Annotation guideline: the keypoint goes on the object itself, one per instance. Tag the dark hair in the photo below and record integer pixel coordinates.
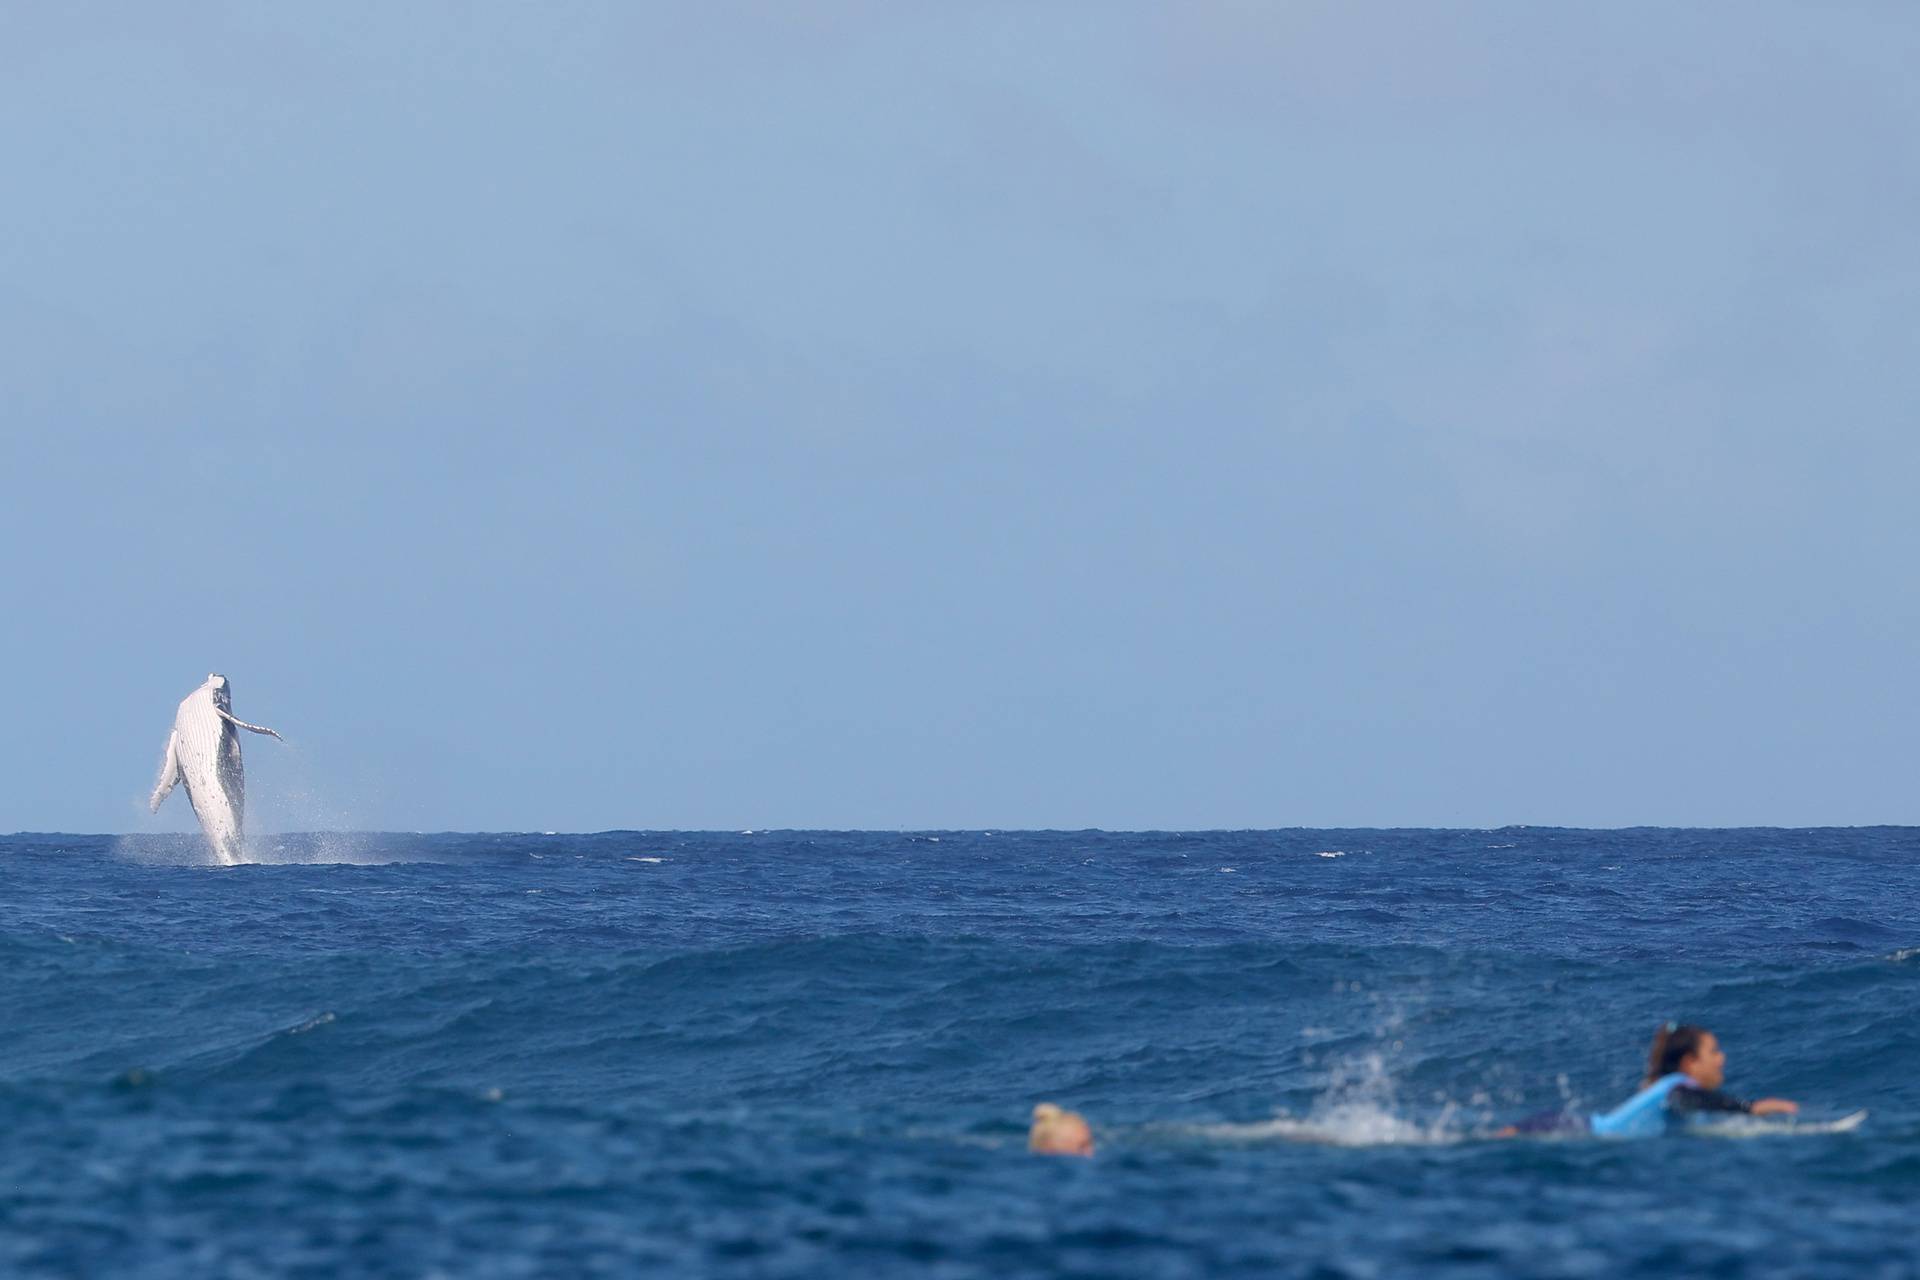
(1672, 1042)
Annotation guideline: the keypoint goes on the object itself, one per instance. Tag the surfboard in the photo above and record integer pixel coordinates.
(1845, 1124)
(1777, 1126)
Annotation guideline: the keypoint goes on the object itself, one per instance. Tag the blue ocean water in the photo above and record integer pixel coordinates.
(813, 1053)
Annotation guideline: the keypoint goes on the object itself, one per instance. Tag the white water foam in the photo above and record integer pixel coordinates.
(168, 850)
(1357, 1124)
(1359, 1108)
(288, 848)
(318, 1020)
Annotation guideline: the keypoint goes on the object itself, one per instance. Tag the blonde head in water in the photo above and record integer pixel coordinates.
(1058, 1132)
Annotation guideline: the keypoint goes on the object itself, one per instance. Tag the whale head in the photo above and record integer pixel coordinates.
(222, 691)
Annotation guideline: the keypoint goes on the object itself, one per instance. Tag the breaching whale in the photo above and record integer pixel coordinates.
(203, 751)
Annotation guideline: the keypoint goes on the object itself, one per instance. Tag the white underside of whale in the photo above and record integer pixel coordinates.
(203, 754)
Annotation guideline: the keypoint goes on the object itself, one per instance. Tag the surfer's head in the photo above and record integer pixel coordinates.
(1059, 1132)
(1693, 1051)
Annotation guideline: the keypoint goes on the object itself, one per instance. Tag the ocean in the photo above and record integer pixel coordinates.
(810, 1053)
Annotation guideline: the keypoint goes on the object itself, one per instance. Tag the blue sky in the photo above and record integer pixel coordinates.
(1122, 415)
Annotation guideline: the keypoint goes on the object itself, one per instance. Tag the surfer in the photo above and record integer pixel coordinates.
(1059, 1132)
(1685, 1068)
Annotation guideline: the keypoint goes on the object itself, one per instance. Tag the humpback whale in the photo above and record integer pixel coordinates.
(203, 751)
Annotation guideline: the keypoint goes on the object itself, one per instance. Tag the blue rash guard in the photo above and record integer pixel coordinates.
(1652, 1111)
(1649, 1113)
(1644, 1115)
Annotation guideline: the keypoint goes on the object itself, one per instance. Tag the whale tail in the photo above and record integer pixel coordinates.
(169, 774)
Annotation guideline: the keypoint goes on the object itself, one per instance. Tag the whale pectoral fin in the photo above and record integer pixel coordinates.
(238, 723)
(169, 774)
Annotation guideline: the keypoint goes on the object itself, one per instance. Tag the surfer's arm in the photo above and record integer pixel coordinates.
(169, 774)
(1688, 1098)
(238, 723)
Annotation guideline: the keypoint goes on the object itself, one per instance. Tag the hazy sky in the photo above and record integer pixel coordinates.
(572, 416)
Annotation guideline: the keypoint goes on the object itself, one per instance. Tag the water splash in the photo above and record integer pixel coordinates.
(1357, 1124)
(312, 848)
(1360, 1107)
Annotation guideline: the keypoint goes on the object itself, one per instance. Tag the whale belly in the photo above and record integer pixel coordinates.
(209, 754)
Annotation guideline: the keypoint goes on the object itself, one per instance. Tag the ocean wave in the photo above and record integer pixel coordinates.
(817, 1052)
